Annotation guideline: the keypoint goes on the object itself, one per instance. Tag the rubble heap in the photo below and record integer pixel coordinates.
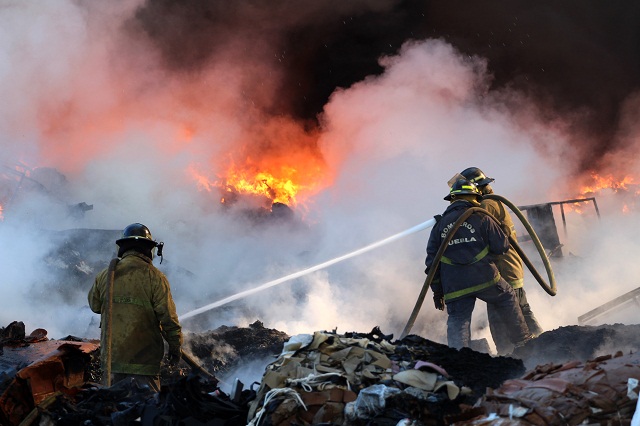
(187, 400)
(35, 370)
(351, 379)
(582, 343)
(603, 391)
(229, 348)
(354, 378)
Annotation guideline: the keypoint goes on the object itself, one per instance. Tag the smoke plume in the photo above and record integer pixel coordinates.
(144, 110)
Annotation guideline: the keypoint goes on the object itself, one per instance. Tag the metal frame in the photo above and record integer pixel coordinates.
(561, 204)
(633, 295)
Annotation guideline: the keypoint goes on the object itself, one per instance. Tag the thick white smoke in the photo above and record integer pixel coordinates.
(126, 135)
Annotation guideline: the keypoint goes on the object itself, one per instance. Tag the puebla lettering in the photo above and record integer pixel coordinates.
(462, 240)
(447, 228)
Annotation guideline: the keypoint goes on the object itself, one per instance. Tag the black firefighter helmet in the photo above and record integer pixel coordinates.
(463, 187)
(475, 175)
(138, 235)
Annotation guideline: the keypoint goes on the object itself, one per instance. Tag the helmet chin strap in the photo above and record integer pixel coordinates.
(160, 246)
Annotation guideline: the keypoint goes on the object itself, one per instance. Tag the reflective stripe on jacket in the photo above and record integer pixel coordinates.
(143, 315)
(509, 264)
(466, 267)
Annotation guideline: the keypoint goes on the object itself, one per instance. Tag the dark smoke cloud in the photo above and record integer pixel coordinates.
(316, 46)
(578, 60)
(575, 58)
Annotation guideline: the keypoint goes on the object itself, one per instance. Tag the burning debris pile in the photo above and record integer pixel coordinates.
(328, 378)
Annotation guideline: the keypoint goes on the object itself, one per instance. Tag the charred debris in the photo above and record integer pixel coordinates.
(330, 378)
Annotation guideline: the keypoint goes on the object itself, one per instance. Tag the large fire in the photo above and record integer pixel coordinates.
(279, 162)
(287, 184)
(276, 180)
(278, 189)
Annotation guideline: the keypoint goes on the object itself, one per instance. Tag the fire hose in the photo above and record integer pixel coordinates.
(108, 326)
(549, 288)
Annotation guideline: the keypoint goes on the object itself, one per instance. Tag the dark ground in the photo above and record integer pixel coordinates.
(476, 370)
(226, 349)
(479, 370)
(580, 343)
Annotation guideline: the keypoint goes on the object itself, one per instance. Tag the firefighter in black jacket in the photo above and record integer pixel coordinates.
(466, 271)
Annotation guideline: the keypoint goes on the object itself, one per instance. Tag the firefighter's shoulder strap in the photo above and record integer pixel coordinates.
(111, 274)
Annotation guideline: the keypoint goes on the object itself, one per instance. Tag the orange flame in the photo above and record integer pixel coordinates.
(279, 189)
(599, 183)
(278, 182)
(607, 182)
(279, 163)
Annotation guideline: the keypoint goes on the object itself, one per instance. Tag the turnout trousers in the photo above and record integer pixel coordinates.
(502, 299)
(498, 328)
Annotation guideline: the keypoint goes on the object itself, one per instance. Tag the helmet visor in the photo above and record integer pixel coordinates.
(455, 178)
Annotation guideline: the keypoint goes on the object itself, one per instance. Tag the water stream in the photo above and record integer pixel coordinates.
(413, 230)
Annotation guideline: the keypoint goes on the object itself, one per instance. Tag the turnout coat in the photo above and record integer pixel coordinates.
(143, 315)
(509, 265)
(466, 266)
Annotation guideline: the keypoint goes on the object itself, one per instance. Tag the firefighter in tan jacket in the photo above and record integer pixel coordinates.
(143, 312)
(509, 265)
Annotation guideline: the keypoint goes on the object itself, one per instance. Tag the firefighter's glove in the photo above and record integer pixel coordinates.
(175, 355)
(438, 302)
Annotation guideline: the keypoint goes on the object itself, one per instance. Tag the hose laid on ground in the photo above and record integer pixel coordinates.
(550, 289)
